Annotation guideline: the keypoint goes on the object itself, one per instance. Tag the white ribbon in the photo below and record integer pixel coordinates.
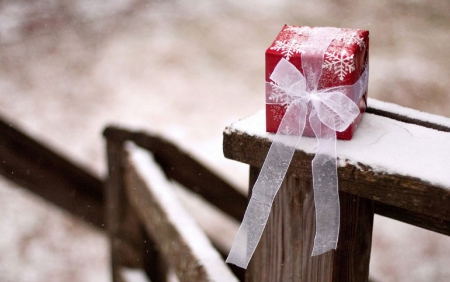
(330, 110)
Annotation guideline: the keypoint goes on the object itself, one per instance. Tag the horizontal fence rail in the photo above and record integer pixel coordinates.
(184, 169)
(402, 197)
(36, 167)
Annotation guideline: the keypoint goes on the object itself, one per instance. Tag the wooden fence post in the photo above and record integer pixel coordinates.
(130, 246)
(284, 252)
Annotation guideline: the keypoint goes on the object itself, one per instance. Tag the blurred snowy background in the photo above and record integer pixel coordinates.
(187, 69)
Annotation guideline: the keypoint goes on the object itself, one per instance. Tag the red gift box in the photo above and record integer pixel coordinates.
(344, 62)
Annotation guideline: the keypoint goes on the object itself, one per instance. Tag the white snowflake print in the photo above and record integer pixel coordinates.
(288, 47)
(346, 39)
(286, 130)
(354, 38)
(341, 63)
(278, 95)
(277, 115)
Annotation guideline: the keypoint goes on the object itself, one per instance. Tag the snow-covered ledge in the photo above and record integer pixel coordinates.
(408, 115)
(390, 159)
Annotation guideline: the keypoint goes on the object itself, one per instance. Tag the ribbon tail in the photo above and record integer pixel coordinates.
(267, 185)
(325, 183)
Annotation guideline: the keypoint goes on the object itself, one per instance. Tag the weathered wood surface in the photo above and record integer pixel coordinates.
(179, 239)
(412, 197)
(48, 174)
(181, 167)
(352, 256)
(127, 239)
(284, 252)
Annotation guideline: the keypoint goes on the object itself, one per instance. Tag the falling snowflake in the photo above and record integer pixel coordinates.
(288, 47)
(341, 63)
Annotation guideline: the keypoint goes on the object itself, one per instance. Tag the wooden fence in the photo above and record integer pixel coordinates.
(150, 230)
(140, 224)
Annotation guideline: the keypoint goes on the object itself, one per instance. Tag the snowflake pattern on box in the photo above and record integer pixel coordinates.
(277, 115)
(355, 38)
(278, 95)
(288, 47)
(293, 41)
(344, 39)
(341, 63)
(337, 58)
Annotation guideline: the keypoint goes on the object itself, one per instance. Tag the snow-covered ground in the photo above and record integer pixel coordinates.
(187, 69)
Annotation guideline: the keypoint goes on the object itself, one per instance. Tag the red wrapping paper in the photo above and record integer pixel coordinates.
(344, 61)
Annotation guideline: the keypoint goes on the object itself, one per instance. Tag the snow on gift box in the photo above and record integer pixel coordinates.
(316, 85)
(343, 63)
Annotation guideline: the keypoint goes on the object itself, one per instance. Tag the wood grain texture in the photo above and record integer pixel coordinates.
(352, 256)
(284, 252)
(123, 226)
(278, 256)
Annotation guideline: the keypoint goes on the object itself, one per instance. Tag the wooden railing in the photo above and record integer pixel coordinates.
(139, 208)
(139, 213)
(128, 214)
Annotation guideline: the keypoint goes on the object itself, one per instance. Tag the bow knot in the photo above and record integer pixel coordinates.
(313, 96)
